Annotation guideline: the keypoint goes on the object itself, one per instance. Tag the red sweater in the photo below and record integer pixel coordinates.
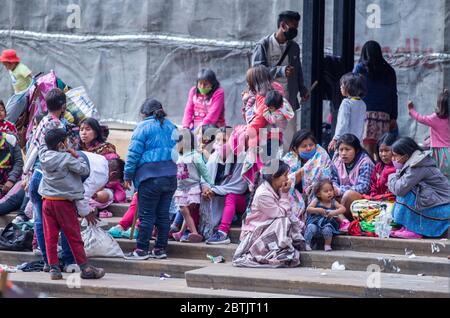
(379, 180)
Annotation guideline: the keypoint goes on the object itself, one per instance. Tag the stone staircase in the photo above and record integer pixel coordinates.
(407, 268)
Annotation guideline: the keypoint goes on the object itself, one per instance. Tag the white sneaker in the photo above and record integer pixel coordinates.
(37, 252)
(72, 268)
(18, 219)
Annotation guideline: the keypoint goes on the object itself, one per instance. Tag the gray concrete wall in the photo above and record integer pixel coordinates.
(127, 50)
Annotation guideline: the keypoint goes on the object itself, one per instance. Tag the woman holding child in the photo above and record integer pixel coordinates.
(308, 160)
(93, 140)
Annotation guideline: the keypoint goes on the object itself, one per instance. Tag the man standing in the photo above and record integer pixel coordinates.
(282, 55)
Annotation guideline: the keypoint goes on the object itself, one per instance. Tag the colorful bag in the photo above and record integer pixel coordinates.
(81, 99)
(365, 210)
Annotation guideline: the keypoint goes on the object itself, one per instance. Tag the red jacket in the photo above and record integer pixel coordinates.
(379, 180)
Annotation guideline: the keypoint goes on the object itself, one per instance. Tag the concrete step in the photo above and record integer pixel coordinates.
(125, 286)
(316, 282)
(119, 209)
(174, 267)
(423, 247)
(6, 219)
(187, 250)
(388, 263)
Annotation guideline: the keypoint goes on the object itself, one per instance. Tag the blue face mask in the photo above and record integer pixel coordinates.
(308, 155)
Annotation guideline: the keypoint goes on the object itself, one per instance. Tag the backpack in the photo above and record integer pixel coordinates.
(18, 238)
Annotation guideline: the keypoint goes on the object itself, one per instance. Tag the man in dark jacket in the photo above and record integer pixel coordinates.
(281, 55)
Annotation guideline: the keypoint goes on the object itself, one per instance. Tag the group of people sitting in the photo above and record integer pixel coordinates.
(290, 201)
(193, 182)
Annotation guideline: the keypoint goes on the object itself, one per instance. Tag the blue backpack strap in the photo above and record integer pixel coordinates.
(83, 155)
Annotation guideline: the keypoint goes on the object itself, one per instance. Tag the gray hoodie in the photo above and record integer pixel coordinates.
(62, 175)
(421, 176)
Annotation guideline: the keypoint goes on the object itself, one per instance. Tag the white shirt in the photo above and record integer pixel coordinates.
(351, 117)
(276, 51)
(98, 178)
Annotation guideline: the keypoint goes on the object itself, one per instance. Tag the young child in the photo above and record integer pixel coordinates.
(6, 126)
(378, 184)
(191, 168)
(352, 112)
(21, 75)
(61, 186)
(113, 190)
(322, 214)
(440, 130)
(279, 112)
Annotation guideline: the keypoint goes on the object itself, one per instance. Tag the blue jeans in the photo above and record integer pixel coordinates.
(36, 199)
(154, 197)
(14, 203)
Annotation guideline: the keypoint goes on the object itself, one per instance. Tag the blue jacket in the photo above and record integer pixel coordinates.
(150, 151)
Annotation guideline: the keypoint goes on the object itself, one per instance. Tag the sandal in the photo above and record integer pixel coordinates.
(105, 214)
(91, 272)
(194, 238)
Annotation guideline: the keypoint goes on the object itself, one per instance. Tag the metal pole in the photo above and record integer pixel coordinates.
(313, 54)
(344, 32)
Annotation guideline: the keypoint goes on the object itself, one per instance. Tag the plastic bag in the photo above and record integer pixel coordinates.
(81, 100)
(16, 105)
(99, 243)
(383, 222)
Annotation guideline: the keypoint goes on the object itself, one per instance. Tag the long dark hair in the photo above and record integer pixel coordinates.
(372, 59)
(269, 177)
(152, 107)
(405, 146)
(355, 143)
(299, 137)
(95, 126)
(387, 139)
(443, 105)
(207, 74)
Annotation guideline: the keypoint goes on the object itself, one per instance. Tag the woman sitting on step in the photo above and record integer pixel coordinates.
(423, 192)
(371, 206)
(272, 231)
(93, 140)
(351, 171)
(309, 161)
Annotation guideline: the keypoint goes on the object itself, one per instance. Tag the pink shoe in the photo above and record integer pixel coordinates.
(395, 232)
(406, 234)
(344, 226)
(177, 236)
(105, 214)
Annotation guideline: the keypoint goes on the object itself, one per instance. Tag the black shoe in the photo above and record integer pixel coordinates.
(159, 253)
(91, 272)
(55, 273)
(137, 255)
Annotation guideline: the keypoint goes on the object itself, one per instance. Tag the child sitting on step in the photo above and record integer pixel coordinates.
(322, 214)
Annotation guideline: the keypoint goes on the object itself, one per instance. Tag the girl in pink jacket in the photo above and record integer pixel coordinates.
(440, 130)
(206, 102)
